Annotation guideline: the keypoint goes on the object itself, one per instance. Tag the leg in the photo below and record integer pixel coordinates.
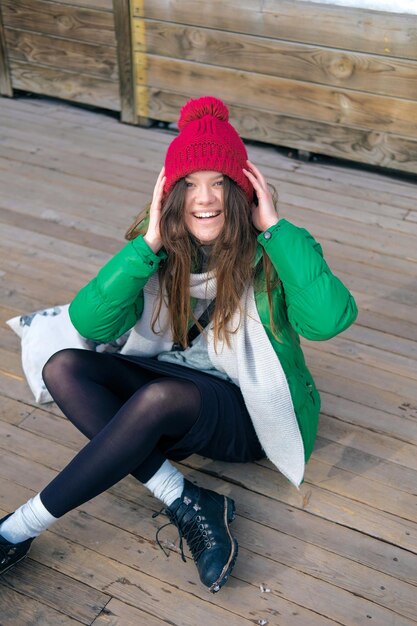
(93, 393)
(90, 388)
(163, 408)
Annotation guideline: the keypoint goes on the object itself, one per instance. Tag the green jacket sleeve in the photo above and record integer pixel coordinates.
(112, 302)
(319, 306)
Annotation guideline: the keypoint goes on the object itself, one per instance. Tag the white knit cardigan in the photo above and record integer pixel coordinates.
(250, 362)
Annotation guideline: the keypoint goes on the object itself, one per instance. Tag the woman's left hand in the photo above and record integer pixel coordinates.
(264, 215)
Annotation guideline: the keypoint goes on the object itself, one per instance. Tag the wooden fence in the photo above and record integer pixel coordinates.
(329, 79)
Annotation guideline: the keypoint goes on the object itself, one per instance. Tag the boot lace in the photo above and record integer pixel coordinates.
(193, 531)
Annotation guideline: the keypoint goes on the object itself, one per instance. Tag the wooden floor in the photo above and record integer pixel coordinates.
(339, 551)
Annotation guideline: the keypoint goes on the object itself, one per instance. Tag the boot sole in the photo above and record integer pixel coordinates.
(3, 571)
(229, 516)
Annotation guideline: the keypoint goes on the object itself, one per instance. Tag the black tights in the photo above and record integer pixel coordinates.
(130, 415)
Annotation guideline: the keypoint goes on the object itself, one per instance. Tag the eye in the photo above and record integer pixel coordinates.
(218, 183)
(188, 183)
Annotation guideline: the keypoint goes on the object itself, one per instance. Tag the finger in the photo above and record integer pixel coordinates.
(160, 176)
(255, 182)
(159, 185)
(257, 173)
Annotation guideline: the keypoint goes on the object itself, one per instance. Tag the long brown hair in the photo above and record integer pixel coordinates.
(231, 258)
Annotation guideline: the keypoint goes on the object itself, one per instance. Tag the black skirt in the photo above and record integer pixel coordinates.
(223, 430)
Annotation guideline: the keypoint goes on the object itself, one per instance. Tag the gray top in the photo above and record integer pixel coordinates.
(196, 356)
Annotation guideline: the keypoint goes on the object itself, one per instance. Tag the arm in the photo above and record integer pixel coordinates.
(112, 302)
(319, 305)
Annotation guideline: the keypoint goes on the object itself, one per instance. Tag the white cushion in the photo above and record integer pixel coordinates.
(42, 334)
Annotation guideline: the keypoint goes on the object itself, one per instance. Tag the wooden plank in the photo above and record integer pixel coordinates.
(383, 411)
(251, 564)
(331, 204)
(58, 429)
(294, 521)
(355, 462)
(358, 371)
(40, 583)
(359, 179)
(344, 457)
(13, 411)
(384, 324)
(365, 267)
(130, 585)
(61, 233)
(103, 5)
(362, 30)
(116, 174)
(275, 57)
(292, 98)
(400, 306)
(397, 246)
(5, 79)
(29, 611)
(388, 525)
(348, 232)
(60, 20)
(377, 358)
(90, 221)
(68, 85)
(89, 260)
(316, 500)
(334, 139)
(121, 175)
(92, 60)
(122, 25)
(340, 480)
(117, 613)
(382, 340)
(135, 588)
(361, 438)
(386, 190)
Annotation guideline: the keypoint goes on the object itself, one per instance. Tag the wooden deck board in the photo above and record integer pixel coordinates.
(339, 551)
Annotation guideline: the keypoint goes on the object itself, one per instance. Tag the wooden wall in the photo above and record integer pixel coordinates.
(64, 48)
(5, 79)
(328, 79)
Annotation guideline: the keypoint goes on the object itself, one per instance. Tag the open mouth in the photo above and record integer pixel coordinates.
(206, 215)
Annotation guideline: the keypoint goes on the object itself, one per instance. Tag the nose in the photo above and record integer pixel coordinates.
(205, 194)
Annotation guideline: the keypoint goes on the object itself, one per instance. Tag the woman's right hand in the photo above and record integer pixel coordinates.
(153, 234)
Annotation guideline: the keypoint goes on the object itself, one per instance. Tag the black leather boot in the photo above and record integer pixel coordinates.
(202, 518)
(12, 553)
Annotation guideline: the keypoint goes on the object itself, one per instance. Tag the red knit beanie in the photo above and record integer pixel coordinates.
(206, 142)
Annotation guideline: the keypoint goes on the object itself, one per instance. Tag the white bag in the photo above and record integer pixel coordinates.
(42, 334)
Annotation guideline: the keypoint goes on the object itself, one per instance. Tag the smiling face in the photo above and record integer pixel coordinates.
(203, 207)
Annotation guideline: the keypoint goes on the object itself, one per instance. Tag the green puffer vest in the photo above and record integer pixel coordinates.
(309, 301)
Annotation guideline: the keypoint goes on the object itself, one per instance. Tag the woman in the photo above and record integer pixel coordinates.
(216, 289)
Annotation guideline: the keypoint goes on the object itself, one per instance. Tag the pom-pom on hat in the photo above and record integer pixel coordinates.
(206, 142)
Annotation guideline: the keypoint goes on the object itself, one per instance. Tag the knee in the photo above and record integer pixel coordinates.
(155, 401)
(157, 396)
(61, 365)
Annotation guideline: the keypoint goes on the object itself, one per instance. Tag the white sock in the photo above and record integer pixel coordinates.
(27, 521)
(167, 483)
